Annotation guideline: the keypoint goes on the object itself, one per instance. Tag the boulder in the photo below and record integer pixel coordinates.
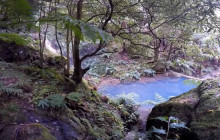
(31, 131)
(199, 108)
(10, 52)
(160, 67)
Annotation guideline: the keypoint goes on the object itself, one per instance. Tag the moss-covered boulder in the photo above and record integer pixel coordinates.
(199, 108)
(11, 52)
(32, 131)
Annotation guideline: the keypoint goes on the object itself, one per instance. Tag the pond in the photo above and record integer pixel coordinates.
(149, 93)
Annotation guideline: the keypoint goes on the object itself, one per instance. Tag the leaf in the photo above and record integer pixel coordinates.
(173, 118)
(13, 38)
(56, 100)
(158, 131)
(81, 29)
(74, 96)
(178, 125)
(163, 119)
(43, 103)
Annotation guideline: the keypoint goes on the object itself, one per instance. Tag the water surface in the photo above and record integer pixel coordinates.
(167, 88)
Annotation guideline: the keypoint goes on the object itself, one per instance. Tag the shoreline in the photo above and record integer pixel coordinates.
(106, 81)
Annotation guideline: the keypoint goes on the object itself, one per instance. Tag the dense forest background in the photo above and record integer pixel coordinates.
(183, 35)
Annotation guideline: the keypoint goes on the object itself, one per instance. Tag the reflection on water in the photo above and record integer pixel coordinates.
(162, 89)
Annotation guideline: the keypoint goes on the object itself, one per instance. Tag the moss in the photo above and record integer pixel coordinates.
(202, 116)
(46, 74)
(42, 92)
(59, 58)
(32, 131)
(9, 113)
(35, 132)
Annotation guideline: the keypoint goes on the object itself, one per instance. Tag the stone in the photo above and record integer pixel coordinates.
(160, 67)
(10, 52)
(33, 131)
(199, 108)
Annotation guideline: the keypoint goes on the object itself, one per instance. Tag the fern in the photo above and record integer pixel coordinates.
(130, 97)
(11, 91)
(19, 79)
(14, 38)
(74, 96)
(53, 101)
(57, 100)
(44, 103)
(158, 99)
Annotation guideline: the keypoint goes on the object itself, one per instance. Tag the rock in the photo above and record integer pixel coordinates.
(104, 99)
(57, 61)
(10, 52)
(199, 108)
(109, 71)
(160, 67)
(31, 131)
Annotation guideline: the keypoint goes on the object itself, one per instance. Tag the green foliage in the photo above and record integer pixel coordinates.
(53, 101)
(13, 81)
(14, 38)
(15, 11)
(192, 82)
(128, 108)
(81, 29)
(43, 103)
(74, 96)
(11, 91)
(130, 98)
(48, 74)
(172, 130)
(150, 72)
(40, 93)
(158, 99)
(8, 112)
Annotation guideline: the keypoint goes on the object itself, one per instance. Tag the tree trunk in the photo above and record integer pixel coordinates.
(56, 34)
(169, 53)
(156, 51)
(78, 72)
(67, 69)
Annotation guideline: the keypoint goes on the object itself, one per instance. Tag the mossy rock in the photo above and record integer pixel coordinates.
(11, 52)
(32, 131)
(199, 108)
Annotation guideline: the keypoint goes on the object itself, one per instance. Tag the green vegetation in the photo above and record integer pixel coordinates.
(171, 130)
(13, 38)
(55, 53)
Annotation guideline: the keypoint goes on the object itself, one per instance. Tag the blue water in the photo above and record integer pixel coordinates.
(167, 88)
